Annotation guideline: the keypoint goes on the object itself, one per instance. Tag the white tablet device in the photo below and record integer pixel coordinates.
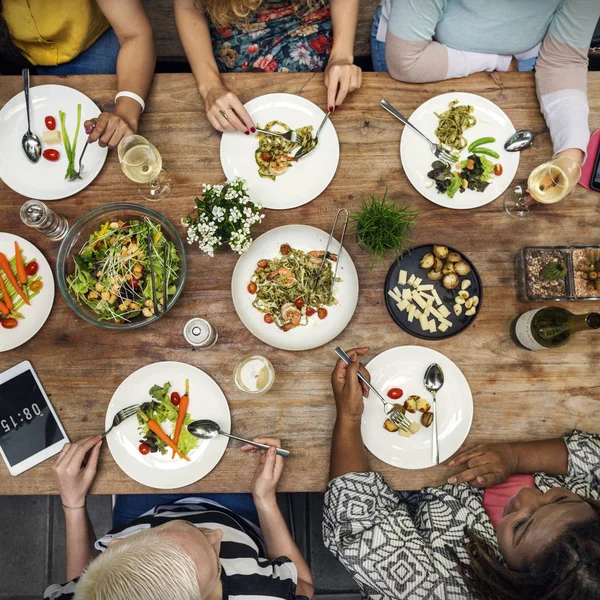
(30, 431)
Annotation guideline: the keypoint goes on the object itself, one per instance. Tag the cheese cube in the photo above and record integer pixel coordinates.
(406, 295)
(417, 282)
(444, 311)
(432, 326)
(403, 304)
(418, 314)
(443, 328)
(411, 316)
(438, 300)
(419, 300)
(393, 295)
(402, 277)
(426, 287)
(411, 280)
(424, 322)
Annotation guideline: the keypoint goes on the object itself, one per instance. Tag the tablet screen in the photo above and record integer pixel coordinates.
(27, 426)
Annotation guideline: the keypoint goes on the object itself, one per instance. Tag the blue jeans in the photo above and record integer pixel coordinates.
(377, 48)
(130, 506)
(99, 59)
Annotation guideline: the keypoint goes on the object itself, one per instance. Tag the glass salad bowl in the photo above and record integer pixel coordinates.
(103, 270)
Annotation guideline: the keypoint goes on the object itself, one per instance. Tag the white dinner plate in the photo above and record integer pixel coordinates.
(156, 470)
(404, 368)
(317, 332)
(303, 181)
(35, 315)
(416, 155)
(45, 180)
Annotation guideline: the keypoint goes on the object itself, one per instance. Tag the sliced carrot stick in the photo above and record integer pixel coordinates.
(155, 428)
(5, 295)
(5, 266)
(21, 273)
(184, 402)
(3, 308)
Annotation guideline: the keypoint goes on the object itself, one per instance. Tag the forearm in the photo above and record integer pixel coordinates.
(195, 36)
(348, 454)
(344, 16)
(279, 542)
(80, 542)
(545, 456)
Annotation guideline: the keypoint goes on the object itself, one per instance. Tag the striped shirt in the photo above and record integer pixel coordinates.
(246, 575)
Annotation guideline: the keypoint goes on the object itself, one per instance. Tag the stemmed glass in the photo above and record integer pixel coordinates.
(141, 162)
(547, 184)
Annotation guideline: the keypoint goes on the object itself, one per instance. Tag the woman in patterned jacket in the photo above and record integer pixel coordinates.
(449, 542)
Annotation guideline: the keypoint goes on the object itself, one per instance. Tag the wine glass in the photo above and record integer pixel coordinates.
(547, 184)
(141, 162)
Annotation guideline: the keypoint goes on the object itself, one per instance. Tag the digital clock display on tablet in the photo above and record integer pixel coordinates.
(27, 425)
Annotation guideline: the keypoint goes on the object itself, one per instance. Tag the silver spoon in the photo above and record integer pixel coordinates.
(31, 142)
(206, 430)
(434, 380)
(521, 139)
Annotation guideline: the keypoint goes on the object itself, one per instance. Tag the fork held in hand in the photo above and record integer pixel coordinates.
(121, 416)
(436, 149)
(290, 136)
(300, 153)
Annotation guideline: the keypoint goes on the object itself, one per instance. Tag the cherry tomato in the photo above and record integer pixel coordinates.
(51, 154)
(175, 399)
(265, 156)
(322, 313)
(395, 393)
(252, 287)
(498, 169)
(36, 286)
(263, 264)
(135, 282)
(269, 318)
(284, 249)
(50, 123)
(299, 302)
(9, 323)
(144, 448)
(310, 311)
(32, 268)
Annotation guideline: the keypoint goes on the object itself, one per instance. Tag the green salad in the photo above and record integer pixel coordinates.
(112, 270)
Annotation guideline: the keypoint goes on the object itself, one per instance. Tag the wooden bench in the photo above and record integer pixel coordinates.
(168, 46)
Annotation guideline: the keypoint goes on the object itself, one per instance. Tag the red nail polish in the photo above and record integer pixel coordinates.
(253, 129)
(331, 109)
(247, 132)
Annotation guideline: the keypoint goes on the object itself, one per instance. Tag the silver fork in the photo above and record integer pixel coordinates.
(77, 175)
(121, 416)
(436, 149)
(393, 413)
(301, 154)
(290, 136)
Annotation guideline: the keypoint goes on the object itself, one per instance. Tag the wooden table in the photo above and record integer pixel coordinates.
(518, 395)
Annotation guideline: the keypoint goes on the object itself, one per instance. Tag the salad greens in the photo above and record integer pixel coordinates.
(112, 270)
(71, 173)
(473, 173)
(162, 410)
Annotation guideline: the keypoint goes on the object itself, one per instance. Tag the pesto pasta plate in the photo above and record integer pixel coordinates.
(460, 120)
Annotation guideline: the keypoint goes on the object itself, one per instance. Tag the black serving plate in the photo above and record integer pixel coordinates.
(409, 261)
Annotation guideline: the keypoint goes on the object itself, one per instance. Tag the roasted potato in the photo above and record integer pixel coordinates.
(462, 268)
(427, 261)
(389, 426)
(427, 419)
(410, 404)
(422, 405)
(438, 265)
(434, 275)
(454, 257)
(448, 268)
(450, 281)
(440, 251)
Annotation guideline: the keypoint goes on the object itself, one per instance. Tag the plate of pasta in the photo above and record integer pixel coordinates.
(289, 293)
(275, 178)
(474, 130)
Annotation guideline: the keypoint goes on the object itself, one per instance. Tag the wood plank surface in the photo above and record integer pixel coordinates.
(518, 395)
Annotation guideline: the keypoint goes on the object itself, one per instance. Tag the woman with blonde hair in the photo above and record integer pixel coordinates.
(266, 36)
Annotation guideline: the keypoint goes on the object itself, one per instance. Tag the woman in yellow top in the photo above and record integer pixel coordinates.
(77, 37)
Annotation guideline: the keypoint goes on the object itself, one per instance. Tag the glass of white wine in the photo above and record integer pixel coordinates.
(142, 163)
(547, 184)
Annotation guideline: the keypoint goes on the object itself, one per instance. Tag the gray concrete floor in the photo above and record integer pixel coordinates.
(32, 552)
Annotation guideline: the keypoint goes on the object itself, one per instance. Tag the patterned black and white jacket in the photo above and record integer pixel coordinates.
(399, 545)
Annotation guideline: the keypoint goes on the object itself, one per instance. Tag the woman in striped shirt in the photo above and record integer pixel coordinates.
(191, 549)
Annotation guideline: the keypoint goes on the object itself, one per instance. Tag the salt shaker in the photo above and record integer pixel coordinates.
(37, 215)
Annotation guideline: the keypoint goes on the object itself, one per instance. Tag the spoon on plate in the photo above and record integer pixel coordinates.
(206, 429)
(521, 140)
(30, 142)
(434, 380)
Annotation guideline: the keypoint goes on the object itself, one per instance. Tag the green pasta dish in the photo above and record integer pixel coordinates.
(453, 124)
(285, 287)
(273, 155)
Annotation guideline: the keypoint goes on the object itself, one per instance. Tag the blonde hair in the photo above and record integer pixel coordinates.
(144, 566)
(226, 12)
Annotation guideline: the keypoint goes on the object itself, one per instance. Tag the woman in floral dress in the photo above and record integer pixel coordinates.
(266, 36)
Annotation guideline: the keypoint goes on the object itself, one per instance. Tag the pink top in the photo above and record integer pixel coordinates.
(495, 498)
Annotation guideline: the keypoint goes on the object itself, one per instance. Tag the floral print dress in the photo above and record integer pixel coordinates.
(277, 37)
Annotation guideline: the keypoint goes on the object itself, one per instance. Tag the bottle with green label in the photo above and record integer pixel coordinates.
(550, 327)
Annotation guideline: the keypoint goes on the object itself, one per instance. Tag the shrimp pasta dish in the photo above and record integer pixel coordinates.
(284, 287)
(274, 154)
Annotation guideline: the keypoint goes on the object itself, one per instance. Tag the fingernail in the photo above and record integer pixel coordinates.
(480, 479)
(88, 129)
(451, 463)
(247, 132)
(272, 450)
(331, 109)
(253, 129)
(452, 480)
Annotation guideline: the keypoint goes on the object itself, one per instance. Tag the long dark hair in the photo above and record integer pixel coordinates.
(8, 50)
(568, 570)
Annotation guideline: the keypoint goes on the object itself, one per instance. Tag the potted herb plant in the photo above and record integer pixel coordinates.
(383, 226)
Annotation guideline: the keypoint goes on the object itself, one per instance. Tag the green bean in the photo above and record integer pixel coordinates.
(480, 142)
(487, 152)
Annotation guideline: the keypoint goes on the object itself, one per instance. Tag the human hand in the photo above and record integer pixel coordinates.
(218, 100)
(268, 471)
(341, 78)
(73, 479)
(109, 130)
(348, 390)
(486, 465)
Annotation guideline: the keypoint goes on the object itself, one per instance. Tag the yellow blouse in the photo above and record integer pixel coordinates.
(52, 32)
